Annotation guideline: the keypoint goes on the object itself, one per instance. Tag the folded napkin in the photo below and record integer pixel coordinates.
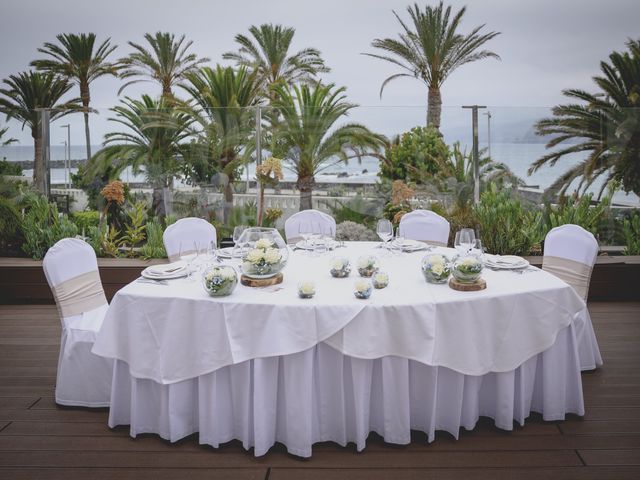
(166, 269)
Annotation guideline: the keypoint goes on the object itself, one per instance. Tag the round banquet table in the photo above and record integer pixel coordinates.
(264, 366)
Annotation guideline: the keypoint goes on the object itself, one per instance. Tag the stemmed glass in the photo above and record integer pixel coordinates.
(305, 231)
(189, 256)
(399, 241)
(465, 240)
(212, 254)
(237, 233)
(384, 229)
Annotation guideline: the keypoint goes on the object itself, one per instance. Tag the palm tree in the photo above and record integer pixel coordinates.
(153, 137)
(223, 99)
(166, 62)
(432, 50)
(308, 135)
(6, 141)
(26, 93)
(77, 58)
(268, 55)
(606, 125)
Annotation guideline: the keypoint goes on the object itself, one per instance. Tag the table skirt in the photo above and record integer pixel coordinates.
(322, 395)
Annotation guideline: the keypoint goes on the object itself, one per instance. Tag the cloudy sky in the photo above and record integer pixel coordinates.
(545, 45)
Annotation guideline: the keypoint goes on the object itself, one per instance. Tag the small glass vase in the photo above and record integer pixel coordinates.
(367, 266)
(436, 268)
(362, 289)
(340, 267)
(219, 281)
(380, 280)
(467, 269)
(306, 289)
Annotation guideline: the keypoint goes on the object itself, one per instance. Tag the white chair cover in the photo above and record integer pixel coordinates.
(322, 395)
(570, 252)
(71, 269)
(190, 234)
(425, 226)
(314, 221)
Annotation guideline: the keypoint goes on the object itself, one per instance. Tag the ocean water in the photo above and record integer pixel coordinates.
(517, 156)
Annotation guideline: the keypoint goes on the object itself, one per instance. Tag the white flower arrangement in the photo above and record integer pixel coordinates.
(263, 259)
(367, 265)
(436, 268)
(467, 269)
(219, 281)
(380, 279)
(362, 289)
(306, 289)
(340, 267)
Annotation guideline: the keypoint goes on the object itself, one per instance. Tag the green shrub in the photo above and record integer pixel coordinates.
(134, 231)
(10, 228)
(415, 156)
(85, 220)
(506, 226)
(9, 168)
(154, 248)
(42, 226)
(357, 210)
(631, 230)
(575, 211)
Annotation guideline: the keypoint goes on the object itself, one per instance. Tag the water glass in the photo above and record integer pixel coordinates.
(384, 229)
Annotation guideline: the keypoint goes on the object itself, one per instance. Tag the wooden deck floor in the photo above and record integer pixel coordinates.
(40, 440)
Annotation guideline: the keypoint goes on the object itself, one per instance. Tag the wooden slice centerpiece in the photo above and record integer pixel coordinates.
(261, 282)
(479, 284)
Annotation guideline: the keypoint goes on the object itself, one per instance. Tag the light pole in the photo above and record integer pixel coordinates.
(67, 156)
(476, 161)
(488, 114)
(64, 142)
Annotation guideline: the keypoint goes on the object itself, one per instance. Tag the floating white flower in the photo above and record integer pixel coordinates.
(254, 256)
(362, 286)
(264, 243)
(381, 278)
(272, 256)
(337, 264)
(307, 288)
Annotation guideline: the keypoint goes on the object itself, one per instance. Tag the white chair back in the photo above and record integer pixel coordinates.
(570, 252)
(188, 235)
(425, 226)
(311, 221)
(71, 269)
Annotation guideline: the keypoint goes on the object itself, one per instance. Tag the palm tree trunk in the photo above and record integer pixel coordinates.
(305, 185)
(84, 95)
(261, 206)
(434, 108)
(38, 162)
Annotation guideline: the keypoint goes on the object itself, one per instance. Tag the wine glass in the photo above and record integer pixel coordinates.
(212, 254)
(384, 229)
(305, 231)
(467, 239)
(399, 241)
(189, 256)
(237, 233)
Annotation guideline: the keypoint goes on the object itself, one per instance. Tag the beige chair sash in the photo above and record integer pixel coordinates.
(575, 273)
(79, 294)
(435, 243)
(176, 256)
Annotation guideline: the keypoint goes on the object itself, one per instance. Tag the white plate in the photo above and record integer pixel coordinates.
(165, 272)
(506, 262)
(302, 244)
(409, 245)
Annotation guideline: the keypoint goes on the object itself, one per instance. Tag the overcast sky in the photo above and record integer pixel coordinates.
(545, 45)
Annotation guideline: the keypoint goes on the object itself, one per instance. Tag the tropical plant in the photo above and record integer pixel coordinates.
(6, 141)
(414, 156)
(506, 226)
(605, 125)
(430, 49)
(267, 53)
(455, 174)
(10, 227)
(631, 231)
(135, 230)
(10, 168)
(357, 210)
(577, 211)
(222, 106)
(165, 60)
(26, 94)
(154, 247)
(42, 226)
(86, 219)
(153, 139)
(77, 58)
(309, 137)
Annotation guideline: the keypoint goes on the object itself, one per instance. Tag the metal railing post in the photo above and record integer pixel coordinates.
(476, 160)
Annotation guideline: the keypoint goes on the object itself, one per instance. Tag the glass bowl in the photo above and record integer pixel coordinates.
(219, 280)
(467, 269)
(265, 252)
(436, 268)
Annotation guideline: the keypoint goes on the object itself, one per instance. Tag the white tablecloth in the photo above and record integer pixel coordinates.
(173, 333)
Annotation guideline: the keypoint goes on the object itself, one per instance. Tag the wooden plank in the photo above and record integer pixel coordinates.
(611, 457)
(250, 473)
(16, 402)
(339, 459)
(67, 415)
(563, 473)
(597, 427)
